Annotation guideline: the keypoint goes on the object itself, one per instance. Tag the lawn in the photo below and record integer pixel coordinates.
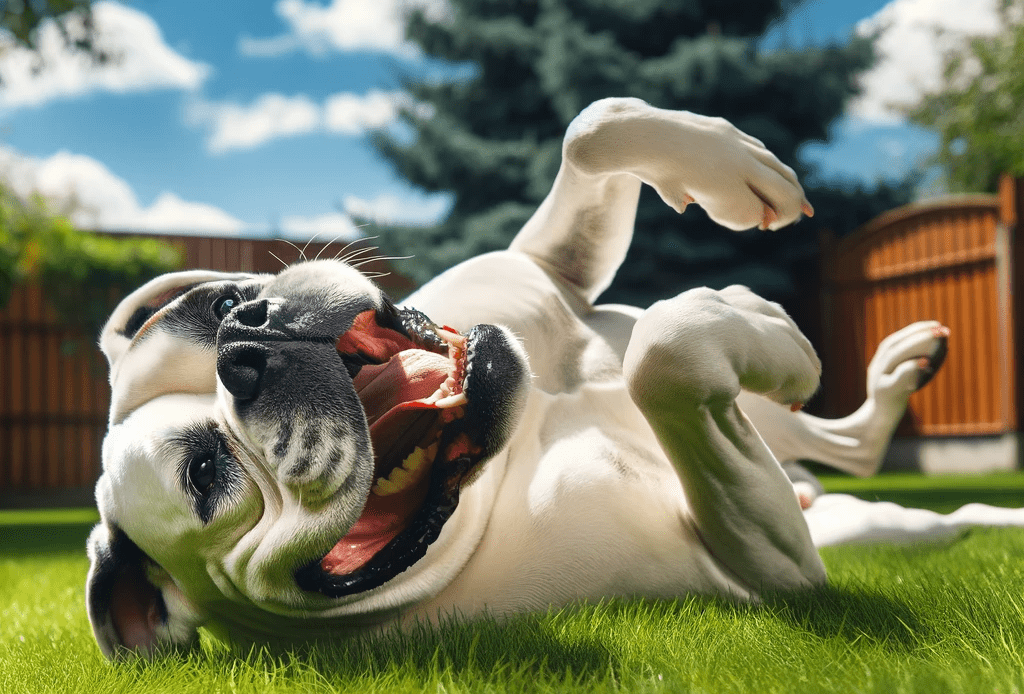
(943, 617)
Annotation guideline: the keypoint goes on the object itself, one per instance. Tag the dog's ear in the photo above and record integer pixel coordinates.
(139, 306)
(130, 612)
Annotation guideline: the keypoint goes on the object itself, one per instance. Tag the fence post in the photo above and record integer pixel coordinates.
(1011, 207)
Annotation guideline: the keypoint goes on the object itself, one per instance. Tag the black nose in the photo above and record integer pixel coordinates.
(250, 322)
(241, 366)
(252, 314)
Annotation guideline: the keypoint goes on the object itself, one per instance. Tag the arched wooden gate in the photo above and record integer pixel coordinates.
(950, 260)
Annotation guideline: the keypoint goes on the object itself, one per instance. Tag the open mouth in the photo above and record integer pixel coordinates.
(411, 377)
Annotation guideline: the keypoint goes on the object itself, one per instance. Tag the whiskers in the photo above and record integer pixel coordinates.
(355, 258)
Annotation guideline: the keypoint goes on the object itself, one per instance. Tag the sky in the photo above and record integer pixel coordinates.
(249, 117)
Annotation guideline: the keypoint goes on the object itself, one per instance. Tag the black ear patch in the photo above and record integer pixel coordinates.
(137, 320)
(144, 313)
(124, 607)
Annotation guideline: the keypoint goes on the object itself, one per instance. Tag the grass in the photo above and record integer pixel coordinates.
(935, 618)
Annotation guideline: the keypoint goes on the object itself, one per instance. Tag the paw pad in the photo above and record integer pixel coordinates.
(930, 365)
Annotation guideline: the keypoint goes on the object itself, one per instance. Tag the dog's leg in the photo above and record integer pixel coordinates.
(686, 362)
(904, 362)
(583, 228)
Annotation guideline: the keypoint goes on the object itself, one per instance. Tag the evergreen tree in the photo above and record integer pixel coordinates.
(494, 139)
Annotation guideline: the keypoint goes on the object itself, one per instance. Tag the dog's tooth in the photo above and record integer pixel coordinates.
(413, 461)
(383, 487)
(400, 477)
(453, 400)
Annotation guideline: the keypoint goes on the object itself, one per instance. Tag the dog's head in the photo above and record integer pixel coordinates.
(280, 446)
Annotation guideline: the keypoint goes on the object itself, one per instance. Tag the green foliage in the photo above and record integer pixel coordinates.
(494, 138)
(22, 18)
(82, 274)
(978, 110)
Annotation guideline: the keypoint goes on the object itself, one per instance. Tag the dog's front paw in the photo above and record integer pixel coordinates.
(906, 360)
(738, 182)
(687, 158)
(706, 345)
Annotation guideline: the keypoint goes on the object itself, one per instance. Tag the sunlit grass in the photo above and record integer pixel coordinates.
(943, 617)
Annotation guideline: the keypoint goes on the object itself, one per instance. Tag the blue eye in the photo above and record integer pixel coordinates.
(223, 305)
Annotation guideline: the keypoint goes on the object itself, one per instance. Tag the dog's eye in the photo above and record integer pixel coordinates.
(202, 472)
(222, 305)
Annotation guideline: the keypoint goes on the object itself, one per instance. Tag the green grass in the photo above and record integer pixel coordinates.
(943, 617)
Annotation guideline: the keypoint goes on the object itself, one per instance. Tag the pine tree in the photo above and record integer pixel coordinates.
(494, 139)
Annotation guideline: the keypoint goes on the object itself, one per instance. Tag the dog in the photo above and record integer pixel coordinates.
(294, 457)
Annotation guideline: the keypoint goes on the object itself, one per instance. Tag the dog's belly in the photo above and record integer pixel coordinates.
(589, 508)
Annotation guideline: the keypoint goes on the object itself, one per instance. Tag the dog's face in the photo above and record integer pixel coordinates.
(281, 445)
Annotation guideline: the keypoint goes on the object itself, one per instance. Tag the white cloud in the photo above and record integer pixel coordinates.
(95, 198)
(352, 114)
(390, 208)
(343, 25)
(273, 116)
(270, 117)
(140, 61)
(911, 49)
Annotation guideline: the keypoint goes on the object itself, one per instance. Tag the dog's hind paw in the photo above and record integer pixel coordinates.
(907, 360)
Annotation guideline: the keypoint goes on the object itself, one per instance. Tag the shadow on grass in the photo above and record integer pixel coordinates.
(576, 644)
(525, 648)
(42, 539)
(850, 614)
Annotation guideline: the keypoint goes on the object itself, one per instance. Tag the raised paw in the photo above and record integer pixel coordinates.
(733, 176)
(906, 360)
(687, 158)
(704, 346)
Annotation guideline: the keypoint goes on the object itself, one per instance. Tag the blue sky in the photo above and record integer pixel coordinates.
(249, 116)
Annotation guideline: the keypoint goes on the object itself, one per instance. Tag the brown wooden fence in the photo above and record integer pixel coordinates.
(54, 399)
(948, 260)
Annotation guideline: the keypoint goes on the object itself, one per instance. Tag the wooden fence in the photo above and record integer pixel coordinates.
(948, 260)
(53, 384)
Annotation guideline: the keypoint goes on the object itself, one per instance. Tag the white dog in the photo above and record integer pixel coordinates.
(293, 457)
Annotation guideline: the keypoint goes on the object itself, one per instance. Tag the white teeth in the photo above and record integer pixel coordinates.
(451, 338)
(411, 471)
(451, 401)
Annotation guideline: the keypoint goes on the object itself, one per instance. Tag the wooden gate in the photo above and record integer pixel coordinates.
(53, 402)
(947, 260)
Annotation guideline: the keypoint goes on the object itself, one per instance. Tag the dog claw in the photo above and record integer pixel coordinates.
(796, 407)
(770, 217)
(806, 208)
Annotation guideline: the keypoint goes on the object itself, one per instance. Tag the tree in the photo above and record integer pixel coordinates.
(22, 19)
(978, 110)
(494, 139)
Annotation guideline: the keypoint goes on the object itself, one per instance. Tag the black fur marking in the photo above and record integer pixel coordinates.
(206, 441)
(311, 438)
(137, 320)
(113, 561)
(284, 438)
(195, 317)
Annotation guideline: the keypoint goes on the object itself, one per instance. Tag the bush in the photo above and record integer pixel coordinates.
(83, 275)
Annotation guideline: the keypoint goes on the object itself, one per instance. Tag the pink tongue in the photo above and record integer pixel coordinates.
(409, 375)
